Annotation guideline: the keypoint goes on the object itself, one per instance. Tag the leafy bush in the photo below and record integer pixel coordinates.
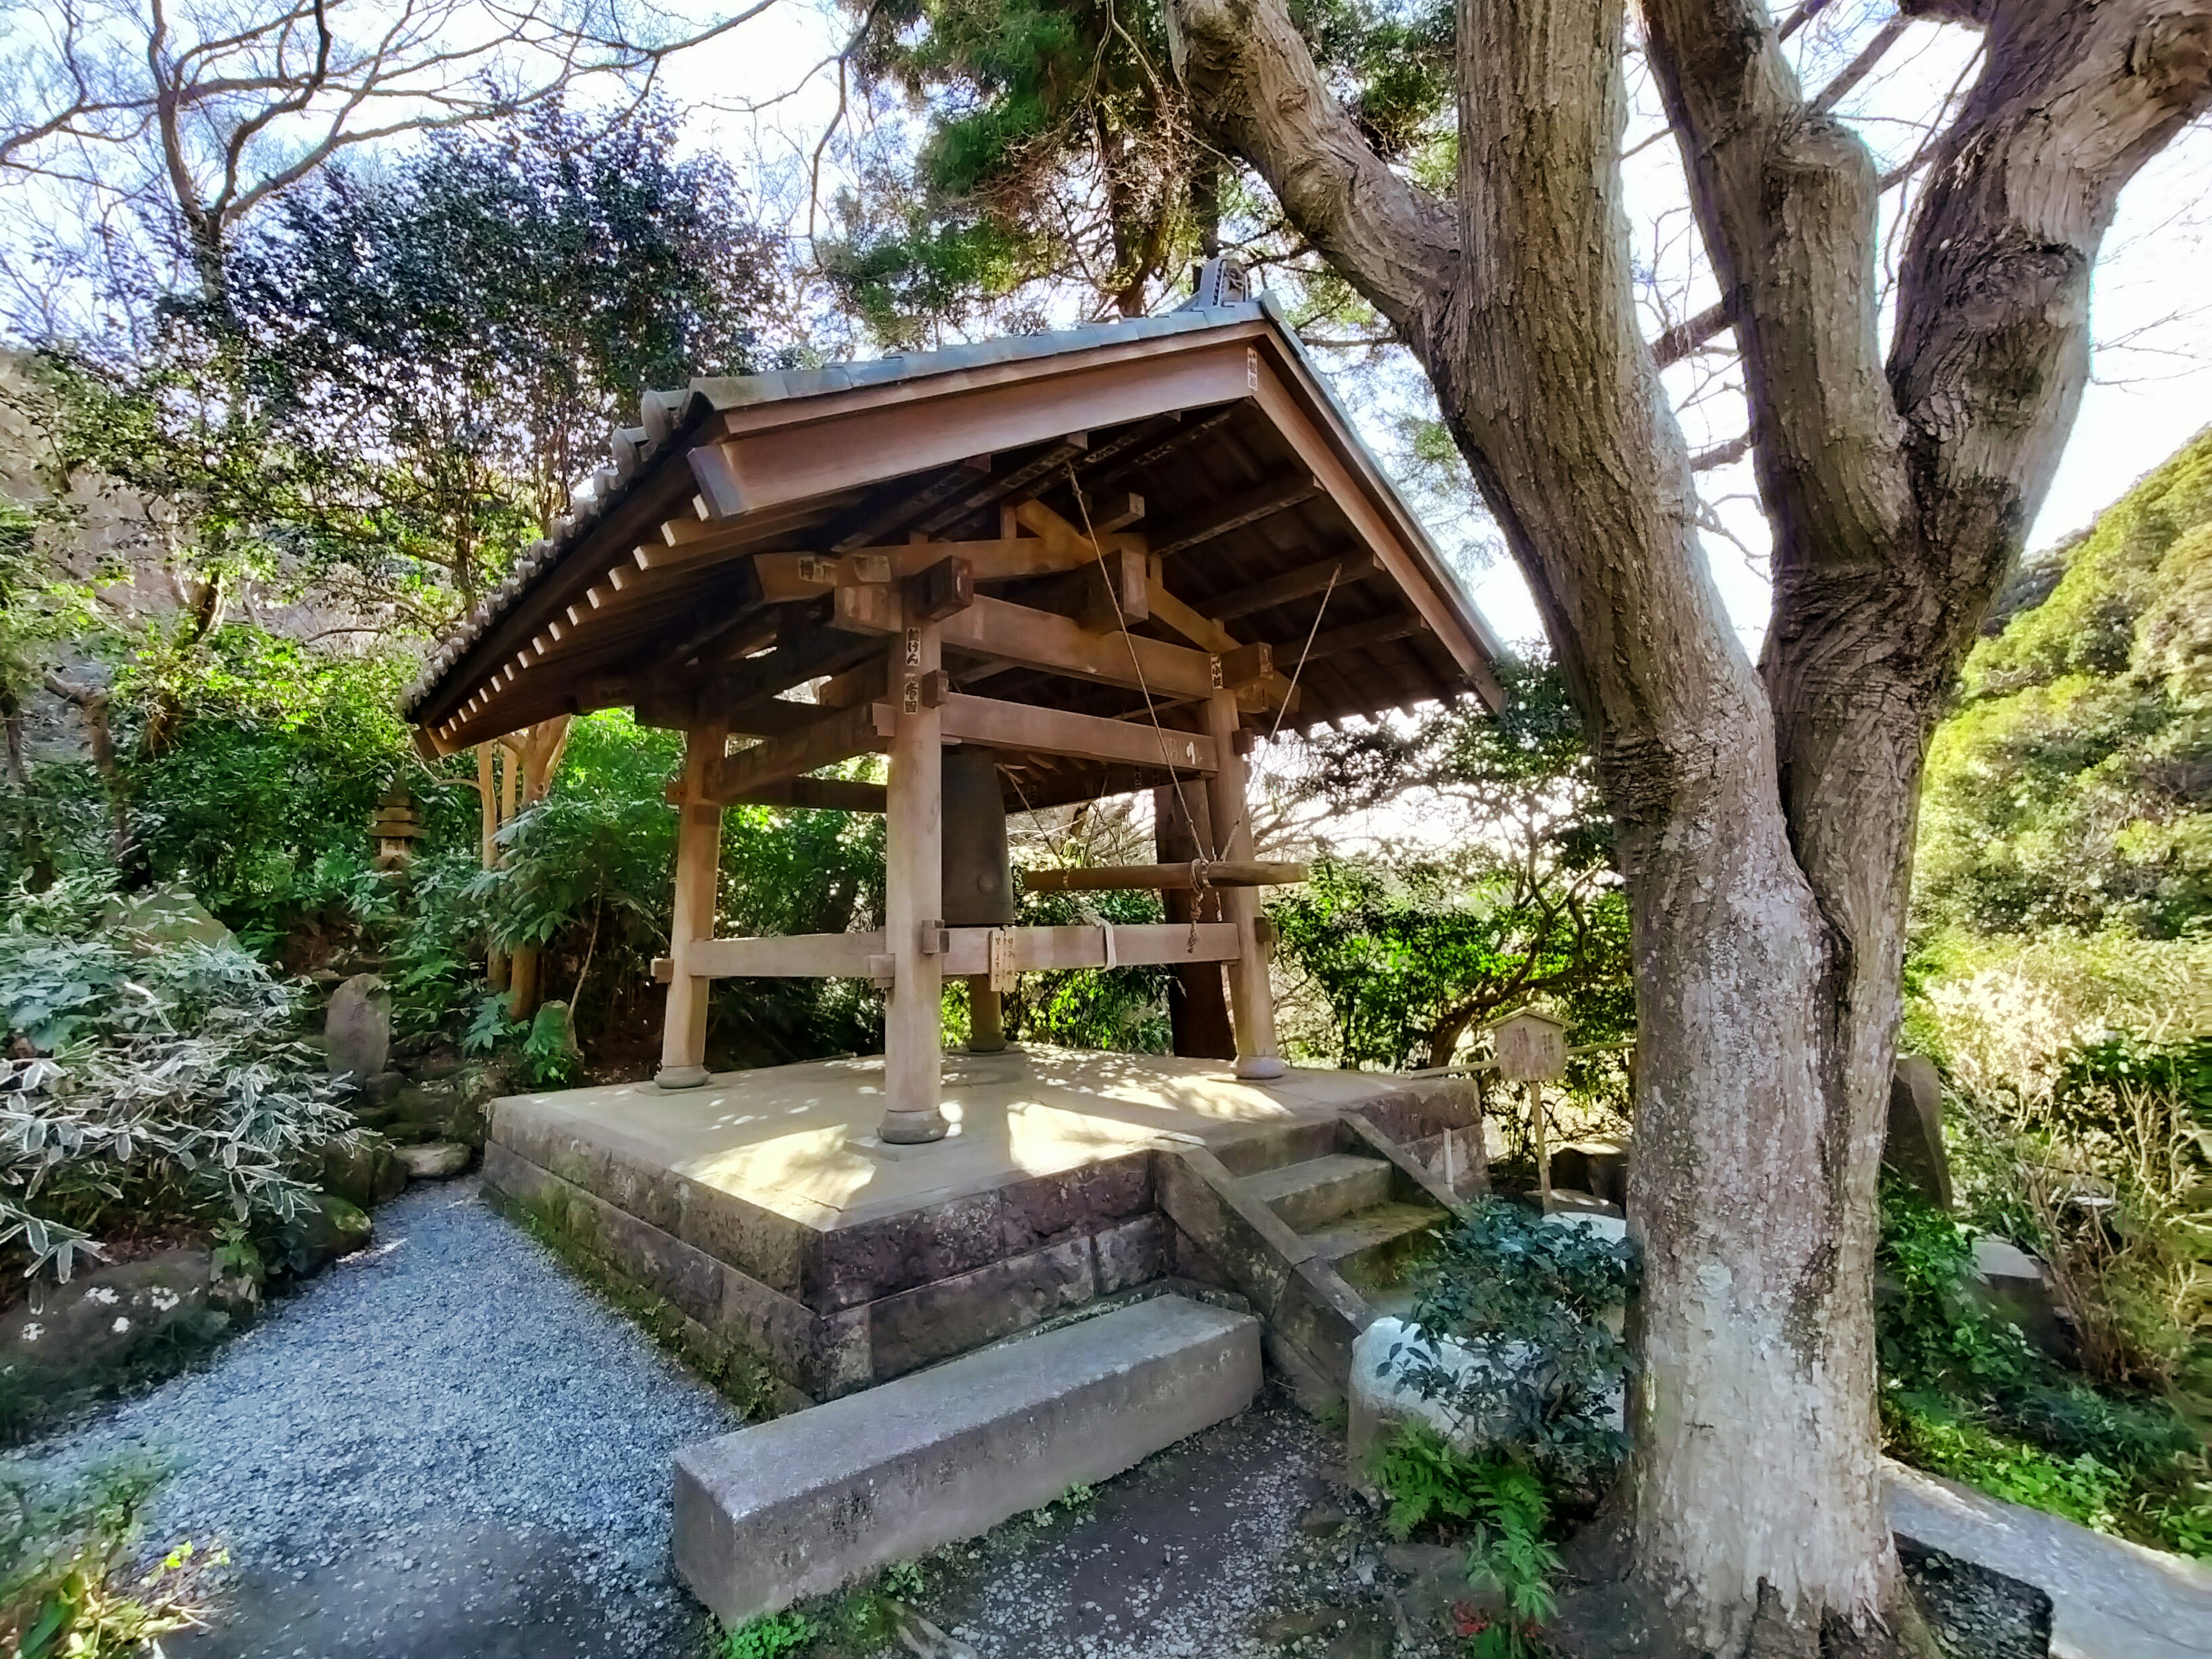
(1534, 1293)
(169, 1088)
(62, 1588)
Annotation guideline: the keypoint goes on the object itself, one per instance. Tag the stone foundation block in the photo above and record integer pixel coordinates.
(803, 1504)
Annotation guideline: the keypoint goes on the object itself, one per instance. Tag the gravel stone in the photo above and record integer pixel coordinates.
(444, 1436)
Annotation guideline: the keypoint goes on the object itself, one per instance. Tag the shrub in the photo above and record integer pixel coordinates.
(1536, 1294)
(1963, 1395)
(169, 1089)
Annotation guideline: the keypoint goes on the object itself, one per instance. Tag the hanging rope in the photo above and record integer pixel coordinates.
(1114, 593)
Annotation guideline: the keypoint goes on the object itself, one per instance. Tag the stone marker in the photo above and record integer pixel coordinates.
(2017, 1287)
(358, 1031)
(1912, 1146)
(800, 1505)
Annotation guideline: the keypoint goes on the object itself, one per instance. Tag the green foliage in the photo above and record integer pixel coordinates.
(260, 798)
(1531, 1297)
(1123, 1009)
(771, 1635)
(1411, 952)
(1055, 143)
(1963, 1395)
(175, 1089)
(1054, 146)
(1501, 1507)
(64, 1550)
(2067, 791)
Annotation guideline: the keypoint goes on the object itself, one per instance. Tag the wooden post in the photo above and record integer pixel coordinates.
(914, 890)
(1198, 1012)
(1537, 1127)
(1251, 999)
(698, 866)
(541, 753)
(488, 791)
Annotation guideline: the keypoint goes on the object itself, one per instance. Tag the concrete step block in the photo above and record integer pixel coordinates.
(1322, 1189)
(801, 1506)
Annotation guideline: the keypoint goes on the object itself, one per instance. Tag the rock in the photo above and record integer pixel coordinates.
(162, 917)
(436, 1160)
(358, 1031)
(1912, 1144)
(101, 1318)
(383, 1088)
(319, 1233)
(2017, 1288)
(1323, 1518)
(553, 1032)
(1381, 1399)
(362, 1168)
(1599, 1168)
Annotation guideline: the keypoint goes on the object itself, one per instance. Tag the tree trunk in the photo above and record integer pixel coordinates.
(1764, 817)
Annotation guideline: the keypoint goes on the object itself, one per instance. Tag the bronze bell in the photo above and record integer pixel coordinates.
(979, 877)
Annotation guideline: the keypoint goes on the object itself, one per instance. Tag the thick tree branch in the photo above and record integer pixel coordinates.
(1252, 79)
(1786, 196)
(1992, 344)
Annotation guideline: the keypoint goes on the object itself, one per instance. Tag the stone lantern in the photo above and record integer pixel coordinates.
(394, 828)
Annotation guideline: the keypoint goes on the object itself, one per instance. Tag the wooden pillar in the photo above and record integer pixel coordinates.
(541, 753)
(698, 867)
(1251, 999)
(1198, 1013)
(488, 791)
(914, 892)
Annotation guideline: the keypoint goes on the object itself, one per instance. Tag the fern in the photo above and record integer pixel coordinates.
(1505, 1511)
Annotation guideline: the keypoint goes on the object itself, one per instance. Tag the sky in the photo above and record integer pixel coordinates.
(761, 96)
(2151, 387)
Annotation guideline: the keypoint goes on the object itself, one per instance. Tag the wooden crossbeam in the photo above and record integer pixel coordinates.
(1201, 631)
(1140, 944)
(963, 951)
(796, 955)
(1360, 635)
(1234, 513)
(1023, 728)
(1059, 645)
(1162, 878)
(819, 795)
(1301, 583)
(834, 736)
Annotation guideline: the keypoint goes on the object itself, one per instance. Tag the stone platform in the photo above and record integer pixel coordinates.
(763, 1209)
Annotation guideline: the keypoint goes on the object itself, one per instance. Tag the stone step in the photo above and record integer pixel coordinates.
(1377, 1248)
(1270, 1146)
(805, 1504)
(1320, 1190)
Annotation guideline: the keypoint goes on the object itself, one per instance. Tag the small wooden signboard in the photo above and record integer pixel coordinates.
(1531, 1046)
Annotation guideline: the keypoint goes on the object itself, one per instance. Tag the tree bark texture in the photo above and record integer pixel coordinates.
(1764, 812)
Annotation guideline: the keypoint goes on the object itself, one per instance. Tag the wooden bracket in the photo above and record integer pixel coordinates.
(947, 586)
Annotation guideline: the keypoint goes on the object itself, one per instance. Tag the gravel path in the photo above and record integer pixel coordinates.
(443, 1445)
